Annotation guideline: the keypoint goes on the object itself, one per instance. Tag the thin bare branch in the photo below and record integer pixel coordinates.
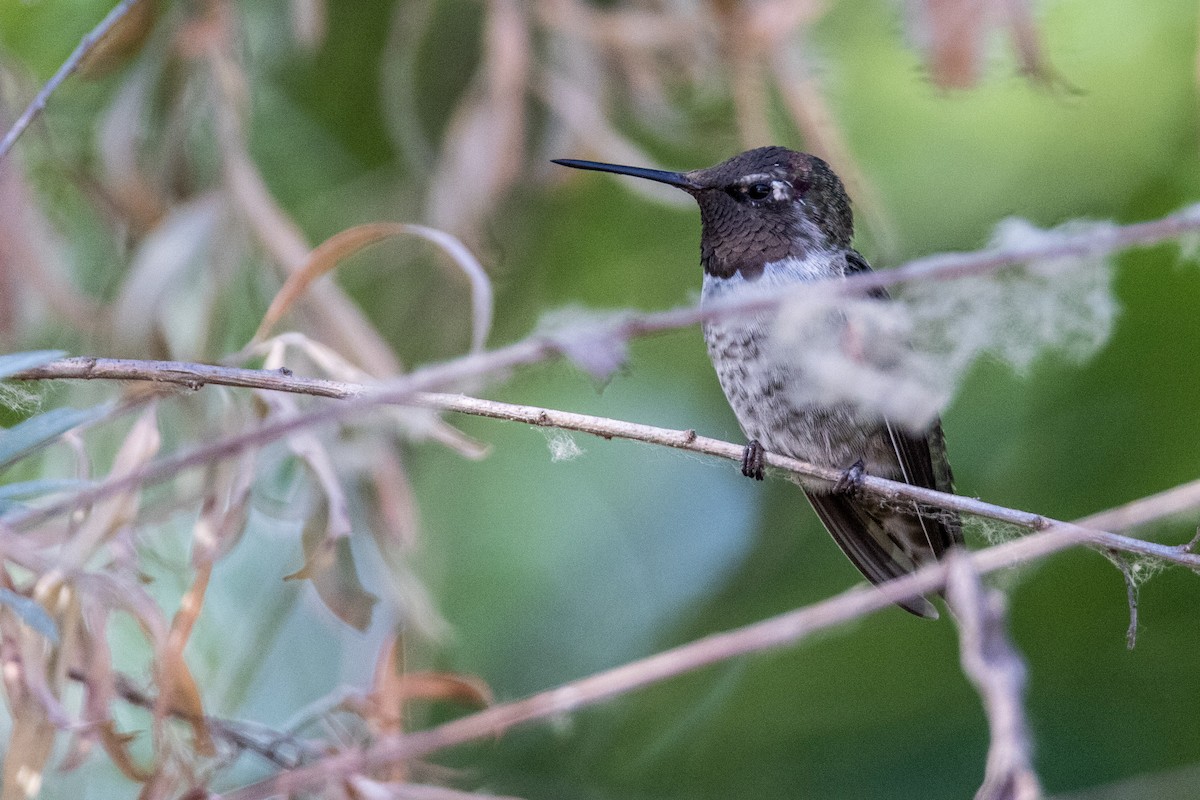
(195, 375)
(1178, 500)
(38, 104)
(784, 630)
(995, 667)
(277, 747)
(188, 375)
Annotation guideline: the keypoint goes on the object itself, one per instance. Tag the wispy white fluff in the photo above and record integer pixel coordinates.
(563, 446)
(904, 359)
(581, 334)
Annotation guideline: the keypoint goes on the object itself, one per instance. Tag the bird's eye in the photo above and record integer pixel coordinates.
(758, 191)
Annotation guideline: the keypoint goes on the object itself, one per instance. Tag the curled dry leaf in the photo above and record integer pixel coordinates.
(120, 42)
(32, 734)
(393, 689)
(327, 255)
(394, 509)
(310, 450)
(465, 690)
(329, 565)
(94, 669)
(341, 321)
(28, 747)
(178, 693)
(223, 526)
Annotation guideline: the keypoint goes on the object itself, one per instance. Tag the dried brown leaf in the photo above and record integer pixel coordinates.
(954, 34)
(342, 245)
(1027, 44)
(387, 688)
(465, 690)
(330, 253)
(94, 670)
(35, 712)
(392, 690)
(28, 748)
(340, 321)
(178, 693)
(121, 42)
(116, 745)
(329, 565)
(220, 527)
(315, 456)
(324, 258)
(395, 508)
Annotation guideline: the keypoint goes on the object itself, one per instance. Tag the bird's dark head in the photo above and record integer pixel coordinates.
(758, 207)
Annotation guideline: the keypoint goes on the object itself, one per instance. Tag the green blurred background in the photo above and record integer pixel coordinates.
(548, 571)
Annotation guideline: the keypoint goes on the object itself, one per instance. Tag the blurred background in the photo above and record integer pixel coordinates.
(157, 206)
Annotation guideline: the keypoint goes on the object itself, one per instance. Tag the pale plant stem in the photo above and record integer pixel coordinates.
(193, 376)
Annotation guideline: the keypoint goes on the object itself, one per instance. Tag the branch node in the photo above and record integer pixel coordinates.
(998, 672)
(1190, 547)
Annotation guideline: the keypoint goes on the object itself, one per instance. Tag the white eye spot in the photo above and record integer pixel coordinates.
(781, 191)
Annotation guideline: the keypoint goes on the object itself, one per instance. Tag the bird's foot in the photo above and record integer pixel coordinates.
(752, 460)
(851, 478)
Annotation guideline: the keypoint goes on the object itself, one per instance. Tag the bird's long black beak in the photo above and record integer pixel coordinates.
(678, 179)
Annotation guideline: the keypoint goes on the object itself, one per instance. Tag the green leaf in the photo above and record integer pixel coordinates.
(13, 363)
(30, 613)
(36, 432)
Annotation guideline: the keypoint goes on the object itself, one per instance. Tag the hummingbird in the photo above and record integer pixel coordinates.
(773, 219)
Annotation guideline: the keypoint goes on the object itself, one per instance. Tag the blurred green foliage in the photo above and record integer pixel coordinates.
(548, 571)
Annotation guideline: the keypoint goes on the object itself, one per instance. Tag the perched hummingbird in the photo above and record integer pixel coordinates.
(773, 218)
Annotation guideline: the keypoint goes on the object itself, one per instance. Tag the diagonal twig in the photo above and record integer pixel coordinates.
(1168, 503)
(38, 104)
(784, 630)
(991, 662)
